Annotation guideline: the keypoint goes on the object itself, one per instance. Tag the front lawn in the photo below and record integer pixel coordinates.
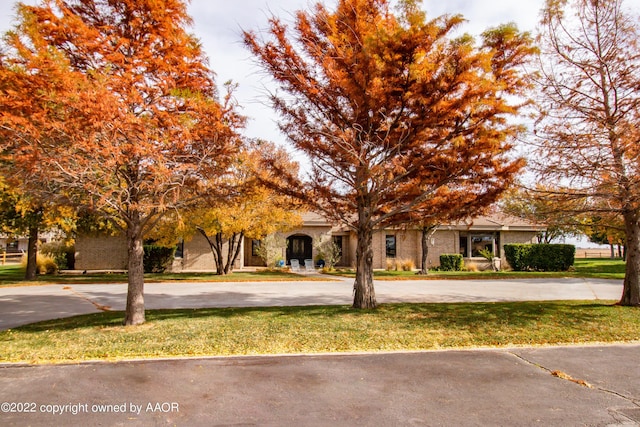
(279, 330)
(14, 276)
(589, 268)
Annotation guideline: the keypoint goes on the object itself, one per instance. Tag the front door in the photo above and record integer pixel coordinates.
(300, 248)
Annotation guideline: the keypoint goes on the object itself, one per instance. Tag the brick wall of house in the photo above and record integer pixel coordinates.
(409, 246)
(101, 253)
(197, 256)
(109, 253)
(510, 237)
(442, 242)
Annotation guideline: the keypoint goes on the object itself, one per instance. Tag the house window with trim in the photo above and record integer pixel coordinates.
(12, 246)
(391, 246)
(471, 244)
(337, 240)
(255, 247)
(179, 253)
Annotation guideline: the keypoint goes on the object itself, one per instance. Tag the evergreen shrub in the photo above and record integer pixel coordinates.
(157, 258)
(540, 257)
(451, 262)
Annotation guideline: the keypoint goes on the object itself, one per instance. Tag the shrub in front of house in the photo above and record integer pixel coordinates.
(44, 264)
(157, 258)
(451, 262)
(540, 257)
(407, 265)
(62, 254)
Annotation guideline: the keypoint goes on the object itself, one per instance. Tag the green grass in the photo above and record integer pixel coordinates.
(252, 331)
(594, 268)
(587, 268)
(14, 275)
(602, 268)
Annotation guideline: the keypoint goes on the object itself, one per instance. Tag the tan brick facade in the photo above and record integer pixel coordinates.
(101, 253)
(197, 256)
(96, 253)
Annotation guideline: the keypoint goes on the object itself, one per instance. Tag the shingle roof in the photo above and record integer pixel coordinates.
(498, 221)
(494, 221)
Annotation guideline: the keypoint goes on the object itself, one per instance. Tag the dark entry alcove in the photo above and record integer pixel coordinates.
(299, 247)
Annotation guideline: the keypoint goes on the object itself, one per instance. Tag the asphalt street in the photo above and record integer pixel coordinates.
(574, 386)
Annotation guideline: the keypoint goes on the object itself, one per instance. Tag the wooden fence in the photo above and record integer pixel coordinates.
(595, 253)
(11, 258)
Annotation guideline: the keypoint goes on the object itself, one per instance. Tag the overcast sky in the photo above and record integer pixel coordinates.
(218, 24)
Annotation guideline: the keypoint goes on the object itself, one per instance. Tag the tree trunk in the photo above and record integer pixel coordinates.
(32, 254)
(631, 289)
(427, 232)
(217, 254)
(364, 292)
(613, 251)
(216, 249)
(424, 268)
(134, 314)
(235, 243)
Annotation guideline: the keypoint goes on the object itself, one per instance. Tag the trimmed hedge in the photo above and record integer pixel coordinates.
(157, 258)
(540, 257)
(451, 262)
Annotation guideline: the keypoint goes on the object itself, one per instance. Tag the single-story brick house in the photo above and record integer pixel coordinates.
(466, 238)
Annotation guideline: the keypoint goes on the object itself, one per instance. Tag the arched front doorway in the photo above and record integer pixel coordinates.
(299, 247)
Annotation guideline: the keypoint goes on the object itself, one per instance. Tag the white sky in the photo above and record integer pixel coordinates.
(218, 25)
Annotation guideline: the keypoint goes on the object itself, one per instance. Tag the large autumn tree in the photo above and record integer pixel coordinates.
(246, 209)
(588, 133)
(129, 120)
(394, 114)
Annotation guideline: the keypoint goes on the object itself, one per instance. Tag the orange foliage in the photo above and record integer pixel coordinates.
(394, 115)
(111, 104)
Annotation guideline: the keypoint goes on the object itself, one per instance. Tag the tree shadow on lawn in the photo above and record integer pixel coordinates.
(516, 314)
(463, 316)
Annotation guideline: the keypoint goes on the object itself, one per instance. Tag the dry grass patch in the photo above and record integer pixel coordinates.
(251, 331)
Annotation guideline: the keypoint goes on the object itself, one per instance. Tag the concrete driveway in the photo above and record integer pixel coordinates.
(28, 304)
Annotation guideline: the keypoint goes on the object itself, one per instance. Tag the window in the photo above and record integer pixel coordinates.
(472, 244)
(464, 246)
(179, 253)
(480, 243)
(337, 240)
(391, 246)
(255, 247)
